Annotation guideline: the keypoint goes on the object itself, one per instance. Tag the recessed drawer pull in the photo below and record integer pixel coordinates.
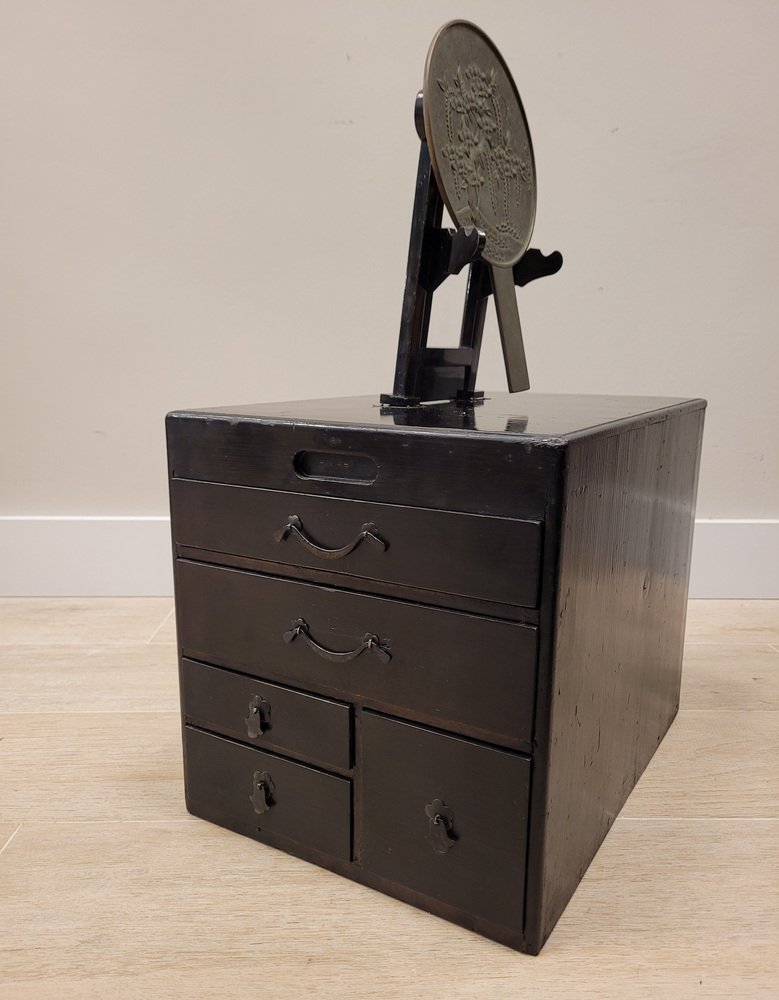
(440, 830)
(263, 788)
(369, 641)
(258, 719)
(294, 526)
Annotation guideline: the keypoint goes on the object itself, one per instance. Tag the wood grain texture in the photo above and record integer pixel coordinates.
(179, 908)
(80, 621)
(105, 766)
(7, 831)
(50, 679)
(611, 689)
(730, 675)
(166, 633)
(727, 766)
(124, 916)
(733, 621)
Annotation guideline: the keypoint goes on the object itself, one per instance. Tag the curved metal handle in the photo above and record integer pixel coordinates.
(368, 532)
(369, 641)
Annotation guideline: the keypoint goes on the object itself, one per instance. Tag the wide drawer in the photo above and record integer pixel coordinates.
(270, 716)
(259, 793)
(489, 558)
(460, 671)
(445, 817)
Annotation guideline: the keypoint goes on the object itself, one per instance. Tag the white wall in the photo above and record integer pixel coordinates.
(208, 202)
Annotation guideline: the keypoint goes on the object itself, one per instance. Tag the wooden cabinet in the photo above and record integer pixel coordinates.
(432, 649)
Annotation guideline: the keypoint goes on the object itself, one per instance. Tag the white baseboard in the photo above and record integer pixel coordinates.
(130, 556)
(85, 557)
(735, 558)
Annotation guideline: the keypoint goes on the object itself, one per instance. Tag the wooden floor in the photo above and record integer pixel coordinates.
(108, 888)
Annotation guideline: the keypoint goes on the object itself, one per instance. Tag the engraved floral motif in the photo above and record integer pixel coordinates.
(486, 168)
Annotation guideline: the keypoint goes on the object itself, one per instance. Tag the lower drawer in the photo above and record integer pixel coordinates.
(445, 817)
(258, 792)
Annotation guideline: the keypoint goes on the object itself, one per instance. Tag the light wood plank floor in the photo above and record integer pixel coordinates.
(108, 888)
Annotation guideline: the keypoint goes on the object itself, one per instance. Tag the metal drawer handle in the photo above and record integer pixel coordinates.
(263, 788)
(369, 641)
(294, 526)
(440, 827)
(258, 719)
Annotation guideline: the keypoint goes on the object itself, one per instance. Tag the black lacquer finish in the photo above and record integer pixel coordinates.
(432, 649)
(264, 793)
(492, 559)
(448, 818)
(267, 715)
(239, 620)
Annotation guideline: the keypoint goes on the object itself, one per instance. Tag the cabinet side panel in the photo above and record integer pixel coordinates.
(621, 609)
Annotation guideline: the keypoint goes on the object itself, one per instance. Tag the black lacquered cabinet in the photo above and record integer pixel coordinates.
(432, 649)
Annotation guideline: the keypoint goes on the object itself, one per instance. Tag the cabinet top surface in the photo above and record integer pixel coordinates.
(527, 414)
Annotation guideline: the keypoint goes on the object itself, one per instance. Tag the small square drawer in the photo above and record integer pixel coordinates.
(446, 817)
(267, 715)
(257, 793)
(493, 559)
